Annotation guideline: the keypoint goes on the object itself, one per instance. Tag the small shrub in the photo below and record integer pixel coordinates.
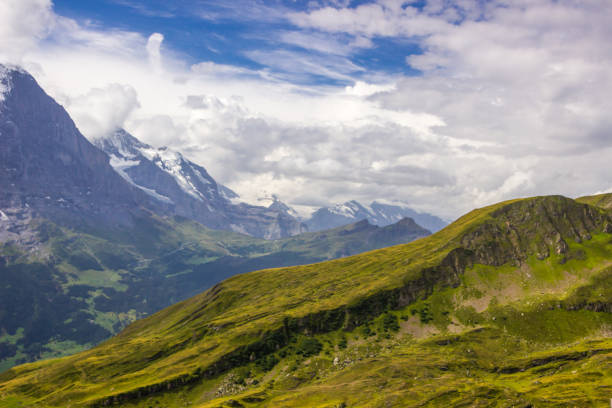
(308, 346)
(267, 363)
(390, 322)
(425, 315)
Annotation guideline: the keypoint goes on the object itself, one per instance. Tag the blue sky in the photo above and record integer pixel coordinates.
(443, 105)
(241, 33)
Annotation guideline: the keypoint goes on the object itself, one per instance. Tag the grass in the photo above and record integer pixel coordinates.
(600, 200)
(489, 306)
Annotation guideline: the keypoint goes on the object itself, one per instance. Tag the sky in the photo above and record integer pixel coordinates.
(444, 105)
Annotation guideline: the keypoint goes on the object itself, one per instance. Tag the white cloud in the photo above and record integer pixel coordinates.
(385, 18)
(22, 24)
(512, 101)
(154, 51)
(160, 130)
(102, 110)
(301, 66)
(324, 43)
(361, 88)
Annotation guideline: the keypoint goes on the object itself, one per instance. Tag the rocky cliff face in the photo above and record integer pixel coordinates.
(47, 167)
(187, 188)
(539, 227)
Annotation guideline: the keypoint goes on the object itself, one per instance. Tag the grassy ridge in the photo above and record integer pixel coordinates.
(514, 280)
(599, 200)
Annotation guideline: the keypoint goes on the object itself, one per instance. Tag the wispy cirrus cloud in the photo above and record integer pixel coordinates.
(241, 10)
(301, 67)
(149, 8)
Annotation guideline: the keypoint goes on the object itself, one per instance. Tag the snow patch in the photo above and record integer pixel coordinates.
(5, 82)
(5, 78)
(201, 176)
(368, 208)
(343, 210)
(172, 163)
(238, 228)
(350, 209)
(120, 165)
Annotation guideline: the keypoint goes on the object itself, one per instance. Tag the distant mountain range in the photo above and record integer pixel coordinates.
(167, 176)
(376, 213)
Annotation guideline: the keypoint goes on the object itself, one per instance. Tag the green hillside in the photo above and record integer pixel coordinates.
(511, 305)
(599, 200)
(70, 289)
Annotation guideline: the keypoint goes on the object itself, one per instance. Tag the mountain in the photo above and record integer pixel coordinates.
(48, 168)
(377, 213)
(170, 178)
(91, 241)
(281, 207)
(510, 305)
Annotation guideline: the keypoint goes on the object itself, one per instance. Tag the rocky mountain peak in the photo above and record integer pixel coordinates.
(48, 167)
(281, 207)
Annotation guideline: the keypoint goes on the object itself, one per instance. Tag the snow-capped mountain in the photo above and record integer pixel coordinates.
(279, 206)
(167, 176)
(376, 213)
(161, 172)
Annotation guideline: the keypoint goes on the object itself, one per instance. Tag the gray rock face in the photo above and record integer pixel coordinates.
(283, 208)
(47, 168)
(376, 213)
(168, 177)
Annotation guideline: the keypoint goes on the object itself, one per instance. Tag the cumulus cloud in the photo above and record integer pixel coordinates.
(102, 110)
(22, 24)
(160, 130)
